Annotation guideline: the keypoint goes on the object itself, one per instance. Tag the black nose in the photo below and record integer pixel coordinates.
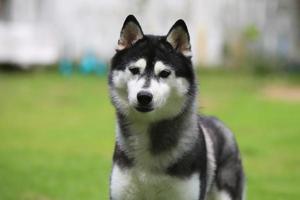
(144, 98)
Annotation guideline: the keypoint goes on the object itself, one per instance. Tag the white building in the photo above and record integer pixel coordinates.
(42, 31)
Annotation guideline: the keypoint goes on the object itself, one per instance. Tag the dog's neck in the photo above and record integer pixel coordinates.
(159, 142)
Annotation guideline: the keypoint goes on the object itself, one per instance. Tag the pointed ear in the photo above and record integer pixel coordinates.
(131, 32)
(179, 38)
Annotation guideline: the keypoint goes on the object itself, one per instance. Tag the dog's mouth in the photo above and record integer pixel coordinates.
(144, 109)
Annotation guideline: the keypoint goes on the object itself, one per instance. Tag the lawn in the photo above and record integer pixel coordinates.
(57, 133)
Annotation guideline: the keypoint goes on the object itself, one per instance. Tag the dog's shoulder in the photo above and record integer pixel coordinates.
(224, 142)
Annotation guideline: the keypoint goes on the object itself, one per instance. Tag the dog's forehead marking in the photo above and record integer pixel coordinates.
(140, 63)
(159, 66)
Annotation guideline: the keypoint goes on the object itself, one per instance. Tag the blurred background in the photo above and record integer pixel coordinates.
(56, 121)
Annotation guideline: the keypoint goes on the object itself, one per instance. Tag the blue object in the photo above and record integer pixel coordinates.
(90, 64)
(65, 66)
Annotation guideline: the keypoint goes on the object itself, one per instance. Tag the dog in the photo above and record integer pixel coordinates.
(164, 149)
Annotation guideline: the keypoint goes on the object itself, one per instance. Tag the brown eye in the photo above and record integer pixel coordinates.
(134, 70)
(164, 73)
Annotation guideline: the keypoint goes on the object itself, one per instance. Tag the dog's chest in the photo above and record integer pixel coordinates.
(133, 184)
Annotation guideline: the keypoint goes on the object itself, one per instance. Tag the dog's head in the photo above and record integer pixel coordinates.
(151, 77)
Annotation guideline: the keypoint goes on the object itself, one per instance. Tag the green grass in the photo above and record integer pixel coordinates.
(57, 134)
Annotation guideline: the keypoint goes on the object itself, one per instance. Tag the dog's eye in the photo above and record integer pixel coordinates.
(134, 70)
(164, 73)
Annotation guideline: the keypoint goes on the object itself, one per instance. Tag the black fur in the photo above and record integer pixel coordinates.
(165, 134)
(121, 158)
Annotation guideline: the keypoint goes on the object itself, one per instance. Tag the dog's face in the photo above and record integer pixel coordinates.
(152, 77)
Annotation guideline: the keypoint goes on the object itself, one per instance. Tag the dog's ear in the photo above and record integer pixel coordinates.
(179, 38)
(131, 32)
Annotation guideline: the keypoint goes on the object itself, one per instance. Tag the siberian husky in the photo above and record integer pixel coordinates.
(164, 150)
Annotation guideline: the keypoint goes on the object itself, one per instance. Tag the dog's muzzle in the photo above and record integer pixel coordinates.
(144, 101)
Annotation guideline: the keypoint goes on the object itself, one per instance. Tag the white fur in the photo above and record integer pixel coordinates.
(216, 194)
(159, 66)
(170, 91)
(161, 92)
(244, 191)
(119, 90)
(134, 86)
(119, 183)
(211, 163)
(169, 96)
(132, 184)
(222, 195)
(182, 86)
(140, 63)
(187, 53)
(120, 78)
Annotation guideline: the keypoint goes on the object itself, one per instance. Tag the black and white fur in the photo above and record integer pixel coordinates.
(164, 149)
